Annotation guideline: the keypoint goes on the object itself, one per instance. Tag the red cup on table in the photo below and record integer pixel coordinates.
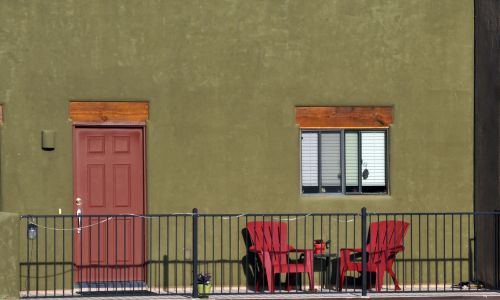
(319, 246)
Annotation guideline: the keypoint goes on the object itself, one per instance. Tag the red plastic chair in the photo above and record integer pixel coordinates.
(385, 241)
(269, 242)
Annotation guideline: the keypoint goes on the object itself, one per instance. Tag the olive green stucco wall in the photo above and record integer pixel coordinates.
(223, 78)
(9, 260)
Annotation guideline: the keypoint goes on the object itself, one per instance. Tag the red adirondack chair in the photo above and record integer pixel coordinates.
(269, 242)
(385, 241)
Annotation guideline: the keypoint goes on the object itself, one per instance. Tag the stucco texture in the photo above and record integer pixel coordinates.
(9, 258)
(223, 79)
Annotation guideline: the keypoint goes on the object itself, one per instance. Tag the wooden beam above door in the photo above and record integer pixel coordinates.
(108, 111)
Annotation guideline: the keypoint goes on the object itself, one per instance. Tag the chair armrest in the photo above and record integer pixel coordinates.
(351, 250)
(300, 250)
(252, 249)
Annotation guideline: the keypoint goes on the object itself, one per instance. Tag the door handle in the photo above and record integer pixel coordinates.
(79, 214)
(78, 201)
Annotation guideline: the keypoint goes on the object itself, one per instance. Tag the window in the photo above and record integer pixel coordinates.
(344, 161)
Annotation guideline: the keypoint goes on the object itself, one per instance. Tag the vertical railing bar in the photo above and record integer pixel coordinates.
(222, 265)
(452, 250)
(435, 249)
(419, 253)
(345, 242)
(337, 271)
(158, 263)
(495, 252)
(412, 280)
(45, 255)
(230, 256)
(116, 275)
(54, 220)
(134, 275)
(386, 245)
(324, 252)
(176, 254)
(184, 261)
(313, 235)
(305, 236)
(195, 252)
(404, 260)
(279, 249)
(214, 267)
(63, 256)
(238, 251)
(126, 270)
(72, 255)
(205, 266)
(89, 273)
(107, 253)
(167, 260)
(255, 277)
(37, 285)
(444, 251)
(428, 255)
(263, 273)
(354, 238)
(469, 252)
(296, 278)
(98, 253)
(329, 269)
(28, 262)
(460, 248)
(363, 252)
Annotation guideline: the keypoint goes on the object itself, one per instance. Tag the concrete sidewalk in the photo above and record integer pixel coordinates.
(317, 296)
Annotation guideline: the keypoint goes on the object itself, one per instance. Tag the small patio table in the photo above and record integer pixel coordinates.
(326, 264)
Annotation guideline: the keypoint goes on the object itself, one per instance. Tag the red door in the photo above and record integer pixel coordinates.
(109, 181)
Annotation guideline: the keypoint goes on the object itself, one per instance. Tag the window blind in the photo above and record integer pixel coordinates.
(330, 159)
(351, 158)
(373, 158)
(309, 158)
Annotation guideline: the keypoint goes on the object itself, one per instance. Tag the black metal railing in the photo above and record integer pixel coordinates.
(158, 254)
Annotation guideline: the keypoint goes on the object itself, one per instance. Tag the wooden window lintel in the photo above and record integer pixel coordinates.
(344, 116)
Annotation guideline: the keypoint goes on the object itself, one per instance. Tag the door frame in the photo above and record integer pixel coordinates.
(140, 125)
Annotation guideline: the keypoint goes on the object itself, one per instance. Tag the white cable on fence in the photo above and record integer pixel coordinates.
(287, 219)
(72, 228)
(100, 222)
(174, 214)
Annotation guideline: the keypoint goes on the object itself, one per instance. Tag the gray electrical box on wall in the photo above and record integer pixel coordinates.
(48, 140)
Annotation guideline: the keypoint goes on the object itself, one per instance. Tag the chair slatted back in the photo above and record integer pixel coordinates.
(385, 235)
(271, 237)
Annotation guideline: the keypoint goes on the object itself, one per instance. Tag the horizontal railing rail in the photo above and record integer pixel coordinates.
(159, 254)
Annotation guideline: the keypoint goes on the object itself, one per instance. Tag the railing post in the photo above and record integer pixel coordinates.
(363, 252)
(195, 253)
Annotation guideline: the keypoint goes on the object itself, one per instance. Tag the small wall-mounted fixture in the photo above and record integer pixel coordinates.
(32, 231)
(48, 140)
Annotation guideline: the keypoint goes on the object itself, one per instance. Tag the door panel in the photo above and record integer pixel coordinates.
(109, 180)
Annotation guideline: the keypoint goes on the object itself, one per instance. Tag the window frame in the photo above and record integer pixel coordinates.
(342, 132)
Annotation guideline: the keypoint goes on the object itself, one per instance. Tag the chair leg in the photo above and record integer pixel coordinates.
(270, 281)
(342, 271)
(396, 283)
(380, 280)
(310, 275)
